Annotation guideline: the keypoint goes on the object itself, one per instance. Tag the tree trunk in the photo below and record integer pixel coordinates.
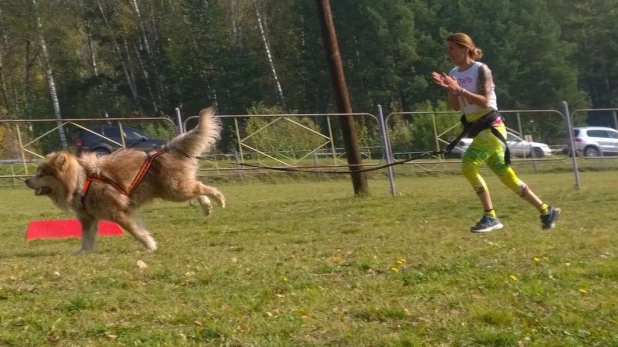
(5, 95)
(234, 24)
(50, 76)
(116, 47)
(270, 58)
(4, 50)
(93, 60)
(28, 81)
(142, 27)
(147, 80)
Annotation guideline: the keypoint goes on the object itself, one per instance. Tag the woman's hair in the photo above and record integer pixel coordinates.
(463, 40)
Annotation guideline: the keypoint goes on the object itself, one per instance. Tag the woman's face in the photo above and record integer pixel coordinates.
(456, 53)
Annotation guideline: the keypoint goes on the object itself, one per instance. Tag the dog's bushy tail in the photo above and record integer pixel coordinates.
(199, 139)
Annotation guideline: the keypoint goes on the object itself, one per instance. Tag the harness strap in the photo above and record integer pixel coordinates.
(105, 180)
(486, 122)
(143, 170)
(507, 151)
(136, 181)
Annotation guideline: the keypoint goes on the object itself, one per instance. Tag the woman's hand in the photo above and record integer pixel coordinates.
(439, 80)
(451, 83)
(452, 87)
(445, 81)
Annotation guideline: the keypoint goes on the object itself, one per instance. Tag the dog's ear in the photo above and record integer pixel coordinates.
(61, 160)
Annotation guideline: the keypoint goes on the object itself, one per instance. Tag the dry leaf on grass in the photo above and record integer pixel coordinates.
(141, 264)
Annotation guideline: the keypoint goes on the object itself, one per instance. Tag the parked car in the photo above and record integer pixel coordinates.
(594, 141)
(98, 140)
(517, 146)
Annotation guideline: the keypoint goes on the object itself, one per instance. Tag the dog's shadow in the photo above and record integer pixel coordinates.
(32, 254)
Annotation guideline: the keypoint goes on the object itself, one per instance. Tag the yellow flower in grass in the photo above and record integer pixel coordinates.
(395, 269)
(583, 291)
(536, 259)
(513, 277)
(401, 261)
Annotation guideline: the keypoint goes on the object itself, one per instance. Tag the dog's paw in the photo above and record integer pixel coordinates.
(81, 251)
(151, 244)
(220, 199)
(206, 210)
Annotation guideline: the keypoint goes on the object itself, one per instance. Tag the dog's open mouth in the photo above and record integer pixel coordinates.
(42, 191)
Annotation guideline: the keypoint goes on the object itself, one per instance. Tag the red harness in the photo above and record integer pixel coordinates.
(136, 181)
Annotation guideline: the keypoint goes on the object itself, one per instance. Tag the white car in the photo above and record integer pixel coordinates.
(595, 141)
(517, 146)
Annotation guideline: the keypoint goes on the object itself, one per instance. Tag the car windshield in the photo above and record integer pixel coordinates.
(511, 137)
(132, 134)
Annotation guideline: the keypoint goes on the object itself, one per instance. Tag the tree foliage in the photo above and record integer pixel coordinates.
(145, 58)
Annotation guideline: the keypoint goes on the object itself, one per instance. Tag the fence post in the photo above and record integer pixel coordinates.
(13, 174)
(386, 148)
(332, 141)
(315, 163)
(179, 120)
(238, 140)
(21, 147)
(124, 145)
(572, 143)
(521, 132)
(531, 151)
(238, 162)
(435, 134)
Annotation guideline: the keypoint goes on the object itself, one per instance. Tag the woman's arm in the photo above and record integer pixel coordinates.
(485, 85)
(453, 101)
(443, 82)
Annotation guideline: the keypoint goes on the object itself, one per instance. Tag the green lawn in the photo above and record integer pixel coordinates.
(308, 264)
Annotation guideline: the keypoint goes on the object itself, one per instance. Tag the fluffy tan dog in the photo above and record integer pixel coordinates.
(103, 188)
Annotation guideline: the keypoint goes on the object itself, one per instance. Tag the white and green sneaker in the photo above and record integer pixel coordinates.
(487, 224)
(548, 221)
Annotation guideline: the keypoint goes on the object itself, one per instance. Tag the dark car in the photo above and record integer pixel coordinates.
(98, 140)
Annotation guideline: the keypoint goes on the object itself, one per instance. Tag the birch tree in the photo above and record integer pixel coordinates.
(126, 68)
(49, 74)
(270, 57)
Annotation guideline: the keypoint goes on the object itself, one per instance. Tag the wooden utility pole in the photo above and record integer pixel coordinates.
(329, 37)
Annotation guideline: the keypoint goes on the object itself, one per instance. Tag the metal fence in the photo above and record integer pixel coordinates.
(26, 142)
(315, 146)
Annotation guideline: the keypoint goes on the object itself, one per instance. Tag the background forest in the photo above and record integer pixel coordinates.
(131, 58)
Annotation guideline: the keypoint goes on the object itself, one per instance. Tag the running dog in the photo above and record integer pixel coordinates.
(115, 186)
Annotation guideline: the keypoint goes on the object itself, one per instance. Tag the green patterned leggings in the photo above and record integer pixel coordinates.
(486, 148)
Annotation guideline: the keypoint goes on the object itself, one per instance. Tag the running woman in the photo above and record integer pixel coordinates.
(471, 90)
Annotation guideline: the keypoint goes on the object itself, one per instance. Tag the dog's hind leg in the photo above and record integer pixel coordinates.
(134, 227)
(210, 192)
(206, 205)
(89, 234)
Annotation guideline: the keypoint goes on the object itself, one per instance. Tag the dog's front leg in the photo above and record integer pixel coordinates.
(89, 234)
(134, 226)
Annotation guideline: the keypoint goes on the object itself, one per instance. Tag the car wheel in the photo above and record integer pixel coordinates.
(536, 152)
(591, 151)
(101, 152)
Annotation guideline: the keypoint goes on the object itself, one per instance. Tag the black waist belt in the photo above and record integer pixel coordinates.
(486, 122)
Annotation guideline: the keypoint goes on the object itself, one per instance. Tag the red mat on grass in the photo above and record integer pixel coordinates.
(53, 229)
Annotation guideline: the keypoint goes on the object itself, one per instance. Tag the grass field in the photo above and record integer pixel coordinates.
(308, 264)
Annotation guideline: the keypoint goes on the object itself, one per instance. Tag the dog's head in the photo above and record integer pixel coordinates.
(57, 177)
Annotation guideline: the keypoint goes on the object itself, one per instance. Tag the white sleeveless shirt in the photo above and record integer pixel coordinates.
(469, 80)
